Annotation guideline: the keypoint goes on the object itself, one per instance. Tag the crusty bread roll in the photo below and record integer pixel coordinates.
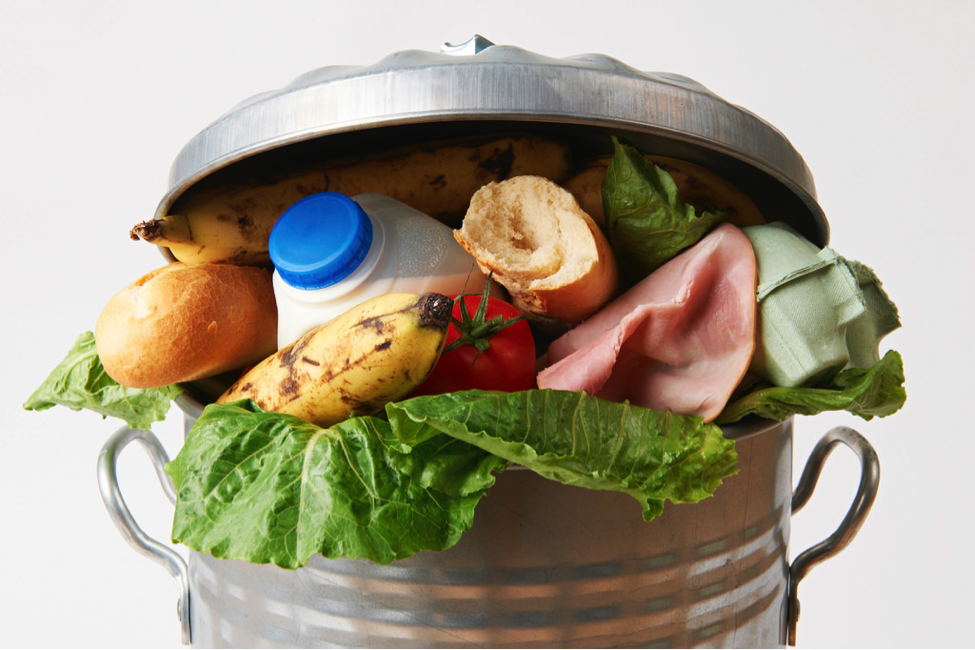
(542, 247)
(696, 185)
(180, 323)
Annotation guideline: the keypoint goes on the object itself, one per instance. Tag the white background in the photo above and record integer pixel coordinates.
(98, 98)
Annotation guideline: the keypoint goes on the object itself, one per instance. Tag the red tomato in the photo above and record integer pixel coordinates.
(506, 362)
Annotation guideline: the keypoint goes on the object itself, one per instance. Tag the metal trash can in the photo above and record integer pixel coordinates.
(545, 565)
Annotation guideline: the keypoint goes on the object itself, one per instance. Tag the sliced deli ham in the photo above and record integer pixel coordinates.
(680, 340)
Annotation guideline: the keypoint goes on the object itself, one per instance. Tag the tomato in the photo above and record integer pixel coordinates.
(498, 352)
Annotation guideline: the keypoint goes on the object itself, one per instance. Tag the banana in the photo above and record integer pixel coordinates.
(372, 354)
(232, 224)
(696, 185)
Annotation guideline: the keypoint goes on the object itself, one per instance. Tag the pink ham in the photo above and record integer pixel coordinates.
(680, 340)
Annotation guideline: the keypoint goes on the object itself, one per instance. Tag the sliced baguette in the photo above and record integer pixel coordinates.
(542, 247)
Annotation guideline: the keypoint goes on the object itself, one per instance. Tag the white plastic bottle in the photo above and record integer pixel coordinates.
(332, 252)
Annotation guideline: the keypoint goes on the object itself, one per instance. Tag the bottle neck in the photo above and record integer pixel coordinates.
(370, 264)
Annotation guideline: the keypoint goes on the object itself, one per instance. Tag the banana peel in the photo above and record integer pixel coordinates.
(232, 224)
(697, 186)
(375, 353)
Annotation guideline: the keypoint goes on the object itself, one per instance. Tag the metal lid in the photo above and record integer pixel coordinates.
(417, 95)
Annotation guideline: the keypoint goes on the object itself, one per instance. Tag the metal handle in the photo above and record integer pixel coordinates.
(855, 516)
(477, 43)
(119, 512)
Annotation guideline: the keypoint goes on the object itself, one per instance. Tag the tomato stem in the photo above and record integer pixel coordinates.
(475, 330)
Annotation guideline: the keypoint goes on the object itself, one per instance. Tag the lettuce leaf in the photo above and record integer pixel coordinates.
(581, 440)
(872, 392)
(647, 222)
(271, 488)
(80, 382)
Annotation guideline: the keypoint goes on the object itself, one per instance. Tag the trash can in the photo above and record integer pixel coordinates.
(545, 564)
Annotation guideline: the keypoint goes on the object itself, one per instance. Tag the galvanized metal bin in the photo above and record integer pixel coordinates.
(545, 565)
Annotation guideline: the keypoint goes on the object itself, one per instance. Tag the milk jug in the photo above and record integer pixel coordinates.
(332, 252)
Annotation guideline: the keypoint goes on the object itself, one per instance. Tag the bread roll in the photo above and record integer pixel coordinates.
(180, 323)
(542, 247)
(696, 185)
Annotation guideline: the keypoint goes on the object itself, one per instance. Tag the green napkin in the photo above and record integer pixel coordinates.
(818, 312)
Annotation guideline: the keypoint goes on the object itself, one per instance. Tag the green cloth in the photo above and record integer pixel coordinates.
(818, 312)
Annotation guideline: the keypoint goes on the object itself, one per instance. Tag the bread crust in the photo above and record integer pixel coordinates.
(542, 247)
(180, 323)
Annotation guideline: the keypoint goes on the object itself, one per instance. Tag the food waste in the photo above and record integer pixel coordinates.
(645, 305)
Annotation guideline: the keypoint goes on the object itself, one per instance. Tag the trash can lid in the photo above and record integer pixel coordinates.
(415, 95)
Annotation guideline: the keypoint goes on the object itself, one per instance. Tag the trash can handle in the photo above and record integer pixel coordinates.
(855, 516)
(119, 512)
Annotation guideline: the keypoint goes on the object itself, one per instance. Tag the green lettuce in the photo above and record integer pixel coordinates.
(581, 440)
(647, 222)
(80, 382)
(877, 391)
(272, 488)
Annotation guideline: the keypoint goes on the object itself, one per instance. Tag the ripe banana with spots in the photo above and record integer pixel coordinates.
(372, 354)
(232, 224)
(696, 185)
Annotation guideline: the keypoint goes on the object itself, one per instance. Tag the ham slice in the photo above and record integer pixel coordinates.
(680, 340)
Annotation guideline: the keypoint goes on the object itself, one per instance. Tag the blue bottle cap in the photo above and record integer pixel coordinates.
(320, 240)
